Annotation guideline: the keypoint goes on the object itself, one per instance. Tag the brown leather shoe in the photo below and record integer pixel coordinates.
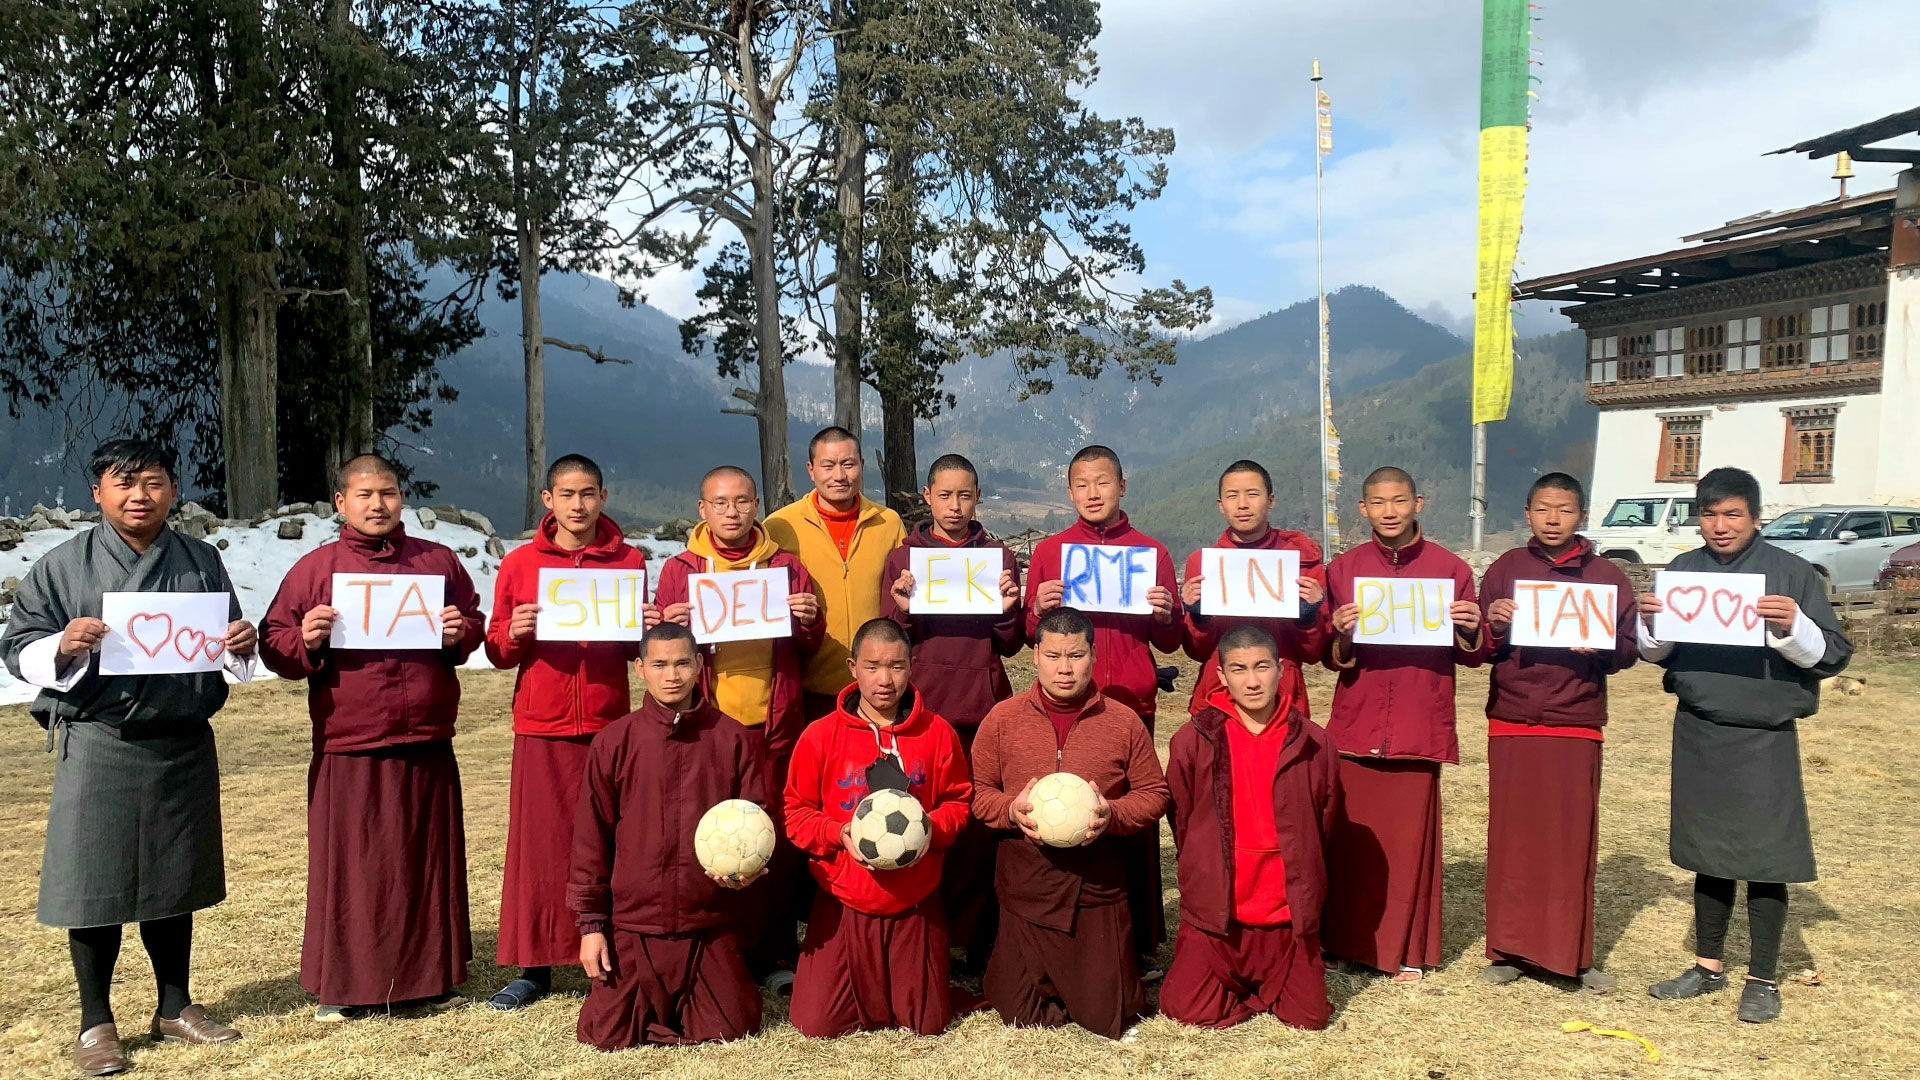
(194, 1026)
(99, 1053)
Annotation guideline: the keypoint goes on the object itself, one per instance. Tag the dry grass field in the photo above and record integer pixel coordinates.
(1850, 954)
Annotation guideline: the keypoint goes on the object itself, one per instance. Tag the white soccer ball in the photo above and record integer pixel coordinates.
(735, 838)
(890, 829)
(1063, 808)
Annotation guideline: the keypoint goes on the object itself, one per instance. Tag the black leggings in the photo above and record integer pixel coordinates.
(1766, 921)
(96, 949)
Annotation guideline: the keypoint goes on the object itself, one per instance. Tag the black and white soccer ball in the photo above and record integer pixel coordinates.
(890, 829)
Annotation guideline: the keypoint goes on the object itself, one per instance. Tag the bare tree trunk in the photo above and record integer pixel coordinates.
(849, 288)
(897, 336)
(246, 312)
(770, 407)
(899, 469)
(356, 434)
(532, 345)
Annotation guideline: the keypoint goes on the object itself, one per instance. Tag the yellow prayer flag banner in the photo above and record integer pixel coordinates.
(1503, 187)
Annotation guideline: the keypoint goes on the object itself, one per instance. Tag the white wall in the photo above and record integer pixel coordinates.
(1751, 435)
(1899, 461)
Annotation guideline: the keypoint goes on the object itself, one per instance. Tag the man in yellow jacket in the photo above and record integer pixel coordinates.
(843, 539)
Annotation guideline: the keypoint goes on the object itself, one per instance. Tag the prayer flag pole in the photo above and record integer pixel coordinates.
(1329, 437)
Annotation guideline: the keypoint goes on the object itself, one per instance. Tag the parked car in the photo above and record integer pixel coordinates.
(1648, 529)
(1900, 576)
(1848, 545)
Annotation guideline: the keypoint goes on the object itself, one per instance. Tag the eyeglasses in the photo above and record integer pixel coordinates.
(743, 505)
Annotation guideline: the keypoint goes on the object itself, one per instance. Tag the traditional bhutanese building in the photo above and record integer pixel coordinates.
(1783, 343)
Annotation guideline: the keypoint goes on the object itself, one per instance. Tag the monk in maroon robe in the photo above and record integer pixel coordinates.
(1255, 792)
(1064, 952)
(659, 936)
(1546, 713)
(386, 845)
(1392, 722)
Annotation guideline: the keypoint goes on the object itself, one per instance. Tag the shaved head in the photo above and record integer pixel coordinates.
(365, 464)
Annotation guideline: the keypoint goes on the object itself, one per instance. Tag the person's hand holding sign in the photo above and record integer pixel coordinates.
(520, 627)
(452, 626)
(241, 638)
(805, 608)
(1500, 614)
(316, 626)
(1780, 613)
(1049, 596)
(1160, 598)
(1311, 590)
(903, 590)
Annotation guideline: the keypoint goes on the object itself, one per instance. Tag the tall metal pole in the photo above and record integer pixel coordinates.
(1477, 502)
(1322, 136)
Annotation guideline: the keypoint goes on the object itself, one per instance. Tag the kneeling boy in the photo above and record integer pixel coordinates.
(658, 935)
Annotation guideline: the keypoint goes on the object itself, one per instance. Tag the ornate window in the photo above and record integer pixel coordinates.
(1809, 451)
(1679, 448)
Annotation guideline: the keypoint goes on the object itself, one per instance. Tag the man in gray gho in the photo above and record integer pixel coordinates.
(133, 833)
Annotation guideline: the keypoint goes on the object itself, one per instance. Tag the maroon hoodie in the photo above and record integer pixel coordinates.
(650, 777)
(1301, 640)
(1306, 795)
(956, 658)
(1123, 664)
(1396, 701)
(364, 699)
(1556, 687)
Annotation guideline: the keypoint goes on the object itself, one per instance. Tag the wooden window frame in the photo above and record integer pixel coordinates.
(1809, 422)
(1672, 430)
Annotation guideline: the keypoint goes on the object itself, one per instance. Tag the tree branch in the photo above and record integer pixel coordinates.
(598, 356)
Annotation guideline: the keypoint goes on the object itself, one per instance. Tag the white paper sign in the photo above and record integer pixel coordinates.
(163, 633)
(387, 611)
(590, 605)
(1107, 577)
(1564, 615)
(956, 581)
(1403, 611)
(1712, 609)
(740, 605)
(1250, 581)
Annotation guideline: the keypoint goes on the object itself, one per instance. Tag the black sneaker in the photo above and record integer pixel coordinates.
(1692, 982)
(1759, 1002)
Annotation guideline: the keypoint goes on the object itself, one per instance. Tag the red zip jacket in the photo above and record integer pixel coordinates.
(785, 719)
(563, 687)
(1396, 701)
(1123, 666)
(829, 778)
(1306, 795)
(1301, 640)
(1556, 687)
(1107, 747)
(956, 658)
(650, 776)
(363, 699)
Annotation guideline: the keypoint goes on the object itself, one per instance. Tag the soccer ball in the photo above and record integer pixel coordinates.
(735, 838)
(1063, 806)
(890, 829)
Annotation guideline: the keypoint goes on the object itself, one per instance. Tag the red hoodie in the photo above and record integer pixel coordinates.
(1306, 795)
(364, 699)
(956, 658)
(1557, 687)
(563, 687)
(1301, 640)
(1396, 701)
(1123, 665)
(829, 778)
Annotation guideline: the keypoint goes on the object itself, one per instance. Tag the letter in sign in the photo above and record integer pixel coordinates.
(1709, 609)
(163, 633)
(955, 581)
(1563, 615)
(387, 611)
(1107, 577)
(590, 605)
(740, 605)
(1403, 611)
(1250, 581)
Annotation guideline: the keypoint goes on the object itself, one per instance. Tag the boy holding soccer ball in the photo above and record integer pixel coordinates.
(875, 955)
(659, 936)
(1252, 878)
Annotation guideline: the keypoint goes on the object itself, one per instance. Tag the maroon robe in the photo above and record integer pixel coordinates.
(679, 974)
(1219, 980)
(1543, 845)
(386, 847)
(536, 929)
(862, 972)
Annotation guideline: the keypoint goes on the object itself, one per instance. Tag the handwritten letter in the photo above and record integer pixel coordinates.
(387, 611)
(1105, 577)
(740, 605)
(1250, 581)
(955, 581)
(1563, 615)
(1711, 609)
(1403, 611)
(163, 633)
(590, 605)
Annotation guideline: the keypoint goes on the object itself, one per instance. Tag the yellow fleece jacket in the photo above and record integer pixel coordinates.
(742, 670)
(849, 589)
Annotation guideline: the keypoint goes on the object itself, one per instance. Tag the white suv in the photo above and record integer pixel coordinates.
(1847, 544)
(1649, 529)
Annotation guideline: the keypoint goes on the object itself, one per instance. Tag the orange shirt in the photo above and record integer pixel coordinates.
(839, 525)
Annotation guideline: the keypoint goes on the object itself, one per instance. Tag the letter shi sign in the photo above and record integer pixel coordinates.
(740, 605)
(590, 605)
(387, 611)
(1563, 615)
(1107, 577)
(963, 581)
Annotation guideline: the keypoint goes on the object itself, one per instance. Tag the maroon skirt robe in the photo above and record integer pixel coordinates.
(1383, 866)
(671, 990)
(386, 876)
(861, 972)
(536, 929)
(1218, 981)
(1042, 977)
(1543, 846)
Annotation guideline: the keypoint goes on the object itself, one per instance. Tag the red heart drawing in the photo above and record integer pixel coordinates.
(1727, 617)
(202, 642)
(1697, 591)
(1752, 616)
(133, 632)
(214, 647)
